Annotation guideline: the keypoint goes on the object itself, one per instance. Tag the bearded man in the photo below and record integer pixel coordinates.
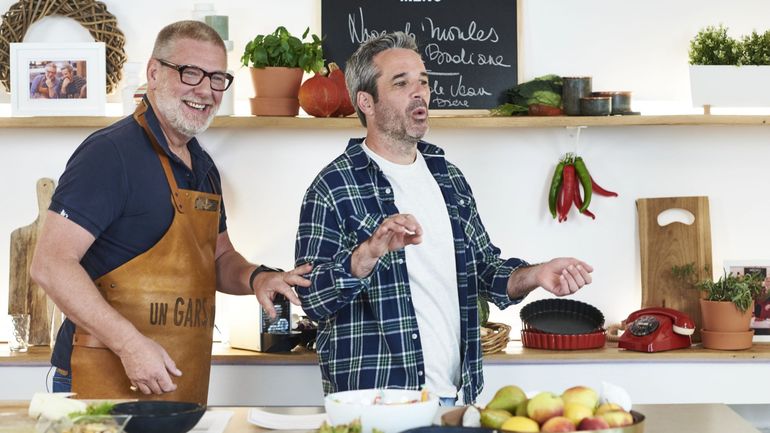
(45, 84)
(399, 252)
(71, 85)
(135, 242)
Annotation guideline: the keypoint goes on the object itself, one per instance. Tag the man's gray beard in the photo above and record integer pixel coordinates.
(400, 136)
(399, 133)
(173, 113)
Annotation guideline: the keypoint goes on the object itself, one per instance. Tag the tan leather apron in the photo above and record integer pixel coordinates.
(168, 293)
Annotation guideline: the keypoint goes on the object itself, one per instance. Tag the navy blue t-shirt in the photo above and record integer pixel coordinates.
(114, 187)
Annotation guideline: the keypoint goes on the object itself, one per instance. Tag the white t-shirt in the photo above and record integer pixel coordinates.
(431, 269)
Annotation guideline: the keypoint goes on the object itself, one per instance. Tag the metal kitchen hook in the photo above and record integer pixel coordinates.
(577, 136)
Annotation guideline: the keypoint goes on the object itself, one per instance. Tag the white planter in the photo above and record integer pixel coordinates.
(730, 86)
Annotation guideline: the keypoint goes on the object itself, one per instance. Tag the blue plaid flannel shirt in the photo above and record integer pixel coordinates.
(367, 328)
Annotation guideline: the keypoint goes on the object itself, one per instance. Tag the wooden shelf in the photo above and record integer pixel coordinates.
(438, 121)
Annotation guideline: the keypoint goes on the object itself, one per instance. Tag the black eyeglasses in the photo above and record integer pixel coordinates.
(193, 75)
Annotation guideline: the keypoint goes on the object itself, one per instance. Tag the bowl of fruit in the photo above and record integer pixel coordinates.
(383, 410)
(579, 408)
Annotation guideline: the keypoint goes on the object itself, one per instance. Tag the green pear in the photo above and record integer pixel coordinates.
(494, 418)
(521, 410)
(507, 398)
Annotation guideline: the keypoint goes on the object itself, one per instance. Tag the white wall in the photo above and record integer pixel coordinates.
(623, 45)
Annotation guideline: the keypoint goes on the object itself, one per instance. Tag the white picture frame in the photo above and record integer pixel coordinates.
(85, 96)
(760, 322)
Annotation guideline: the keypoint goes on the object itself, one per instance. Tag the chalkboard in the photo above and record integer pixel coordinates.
(469, 46)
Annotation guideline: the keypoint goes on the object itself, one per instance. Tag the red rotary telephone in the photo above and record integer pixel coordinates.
(657, 329)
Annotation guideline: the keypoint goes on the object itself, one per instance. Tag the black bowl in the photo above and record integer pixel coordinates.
(157, 416)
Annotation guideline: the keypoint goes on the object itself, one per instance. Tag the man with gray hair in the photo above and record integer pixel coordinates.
(43, 86)
(71, 85)
(135, 244)
(398, 250)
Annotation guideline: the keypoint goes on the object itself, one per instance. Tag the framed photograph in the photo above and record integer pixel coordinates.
(760, 318)
(58, 79)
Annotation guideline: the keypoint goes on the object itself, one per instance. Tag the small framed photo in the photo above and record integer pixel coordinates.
(58, 79)
(760, 318)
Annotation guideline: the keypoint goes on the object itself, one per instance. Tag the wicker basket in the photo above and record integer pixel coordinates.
(91, 14)
(614, 331)
(496, 338)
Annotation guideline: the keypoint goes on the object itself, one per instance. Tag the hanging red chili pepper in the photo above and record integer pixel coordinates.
(569, 176)
(601, 191)
(568, 186)
(564, 204)
(579, 205)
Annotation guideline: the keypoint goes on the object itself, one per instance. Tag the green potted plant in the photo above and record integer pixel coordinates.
(726, 308)
(713, 46)
(727, 71)
(277, 62)
(756, 49)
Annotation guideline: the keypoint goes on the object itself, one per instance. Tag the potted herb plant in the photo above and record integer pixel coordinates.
(726, 308)
(277, 62)
(729, 72)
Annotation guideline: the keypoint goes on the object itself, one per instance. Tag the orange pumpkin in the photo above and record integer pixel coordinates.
(319, 96)
(346, 107)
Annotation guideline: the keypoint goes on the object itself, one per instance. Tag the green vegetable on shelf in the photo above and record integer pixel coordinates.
(545, 90)
(509, 109)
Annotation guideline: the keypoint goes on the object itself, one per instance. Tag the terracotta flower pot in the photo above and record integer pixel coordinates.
(725, 327)
(276, 82)
(727, 340)
(275, 90)
(274, 106)
(725, 316)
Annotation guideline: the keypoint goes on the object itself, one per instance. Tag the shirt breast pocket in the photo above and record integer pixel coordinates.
(466, 210)
(360, 227)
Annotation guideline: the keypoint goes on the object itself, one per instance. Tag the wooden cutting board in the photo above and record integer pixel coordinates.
(674, 244)
(24, 295)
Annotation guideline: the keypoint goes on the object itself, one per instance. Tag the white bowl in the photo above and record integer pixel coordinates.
(392, 417)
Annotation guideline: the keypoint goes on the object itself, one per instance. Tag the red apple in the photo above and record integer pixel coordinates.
(543, 406)
(618, 418)
(558, 424)
(593, 423)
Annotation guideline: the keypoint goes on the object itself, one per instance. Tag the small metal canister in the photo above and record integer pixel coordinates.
(595, 105)
(574, 88)
(621, 101)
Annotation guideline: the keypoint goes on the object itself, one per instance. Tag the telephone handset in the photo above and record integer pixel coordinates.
(657, 329)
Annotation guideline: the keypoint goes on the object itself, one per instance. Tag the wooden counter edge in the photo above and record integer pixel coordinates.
(514, 354)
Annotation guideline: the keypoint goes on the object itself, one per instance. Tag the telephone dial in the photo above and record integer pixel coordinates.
(657, 329)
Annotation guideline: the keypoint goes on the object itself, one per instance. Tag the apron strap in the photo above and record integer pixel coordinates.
(81, 338)
(141, 109)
